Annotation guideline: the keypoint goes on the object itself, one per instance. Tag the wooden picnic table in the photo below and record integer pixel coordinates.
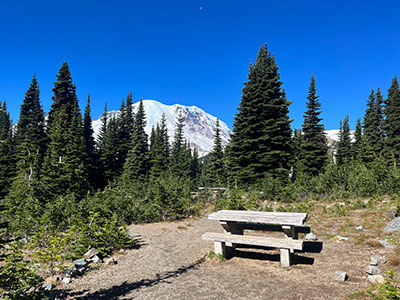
(235, 221)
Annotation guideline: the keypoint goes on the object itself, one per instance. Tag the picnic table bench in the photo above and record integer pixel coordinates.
(235, 221)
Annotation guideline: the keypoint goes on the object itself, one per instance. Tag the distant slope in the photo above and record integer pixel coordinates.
(199, 126)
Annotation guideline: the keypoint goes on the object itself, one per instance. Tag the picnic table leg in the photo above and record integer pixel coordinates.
(290, 233)
(220, 248)
(232, 228)
(285, 258)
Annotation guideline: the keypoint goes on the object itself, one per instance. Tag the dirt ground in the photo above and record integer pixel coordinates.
(170, 262)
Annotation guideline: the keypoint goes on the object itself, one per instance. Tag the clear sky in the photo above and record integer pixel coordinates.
(197, 52)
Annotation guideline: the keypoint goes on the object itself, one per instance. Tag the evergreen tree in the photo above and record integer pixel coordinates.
(314, 150)
(194, 164)
(91, 152)
(109, 151)
(373, 136)
(125, 130)
(216, 169)
(344, 151)
(392, 123)
(65, 163)
(297, 142)
(30, 135)
(358, 142)
(7, 151)
(159, 149)
(179, 160)
(260, 143)
(137, 162)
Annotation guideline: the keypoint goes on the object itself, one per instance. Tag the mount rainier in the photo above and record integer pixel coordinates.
(199, 126)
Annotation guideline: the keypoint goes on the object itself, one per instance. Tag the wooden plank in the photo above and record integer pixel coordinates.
(280, 218)
(254, 240)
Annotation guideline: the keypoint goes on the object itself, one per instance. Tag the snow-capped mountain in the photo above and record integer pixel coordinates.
(332, 136)
(199, 126)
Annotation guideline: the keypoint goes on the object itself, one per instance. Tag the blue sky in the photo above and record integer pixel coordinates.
(198, 52)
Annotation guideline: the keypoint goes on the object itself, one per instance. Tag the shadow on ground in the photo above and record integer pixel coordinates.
(308, 247)
(125, 288)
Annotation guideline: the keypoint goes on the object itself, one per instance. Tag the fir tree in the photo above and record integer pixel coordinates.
(297, 142)
(260, 143)
(91, 152)
(7, 151)
(392, 123)
(125, 130)
(344, 150)
(30, 135)
(358, 142)
(137, 162)
(159, 149)
(179, 161)
(65, 163)
(216, 170)
(314, 150)
(373, 136)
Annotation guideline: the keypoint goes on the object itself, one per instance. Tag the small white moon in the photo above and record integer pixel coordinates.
(201, 8)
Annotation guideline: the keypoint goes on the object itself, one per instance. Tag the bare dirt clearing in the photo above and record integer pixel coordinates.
(171, 263)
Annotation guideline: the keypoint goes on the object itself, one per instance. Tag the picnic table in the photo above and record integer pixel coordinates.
(235, 221)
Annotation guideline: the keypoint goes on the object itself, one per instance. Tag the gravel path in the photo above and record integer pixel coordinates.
(170, 263)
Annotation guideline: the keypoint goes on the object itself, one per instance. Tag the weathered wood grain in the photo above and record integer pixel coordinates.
(254, 240)
(279, 218)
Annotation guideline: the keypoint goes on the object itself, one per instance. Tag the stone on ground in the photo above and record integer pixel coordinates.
(311, 237)
(47, 287)
(110, 261)
(66, 280)
(393, 225)
(340, 276)
(377, 260)
(96, 259)
(371, 270)
(80, 263)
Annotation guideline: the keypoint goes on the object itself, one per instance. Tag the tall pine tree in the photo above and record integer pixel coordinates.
(137, 162)
(344, 151)
(314, 149)
(260, 143)
(65, 163)
(216, 169)
(7, 151)
(392, 123)
(30, 135)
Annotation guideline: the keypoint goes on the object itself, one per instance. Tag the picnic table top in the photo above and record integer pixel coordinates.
(279, 218)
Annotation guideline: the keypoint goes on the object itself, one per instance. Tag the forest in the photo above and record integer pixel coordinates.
(62, 192)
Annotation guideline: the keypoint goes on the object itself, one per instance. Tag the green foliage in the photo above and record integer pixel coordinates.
(392, 123)
(344, 152)
(137, 162)
(314, 150)
(213, 255)
(17, 279)
(389, 290)
(260, 143)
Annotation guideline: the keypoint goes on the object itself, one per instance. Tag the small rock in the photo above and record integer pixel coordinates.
(96, 259)
(134, 235)
(47, 287)
(393, 225)
(342, 238)
(340, 276)
(311, 237)
(80, 262)
(81, 270)
(67, 280)
(121, 251)
(92, 252)
(110, 261)
(377, 260)
(376, 279)
(358, 227)
(371, 270)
